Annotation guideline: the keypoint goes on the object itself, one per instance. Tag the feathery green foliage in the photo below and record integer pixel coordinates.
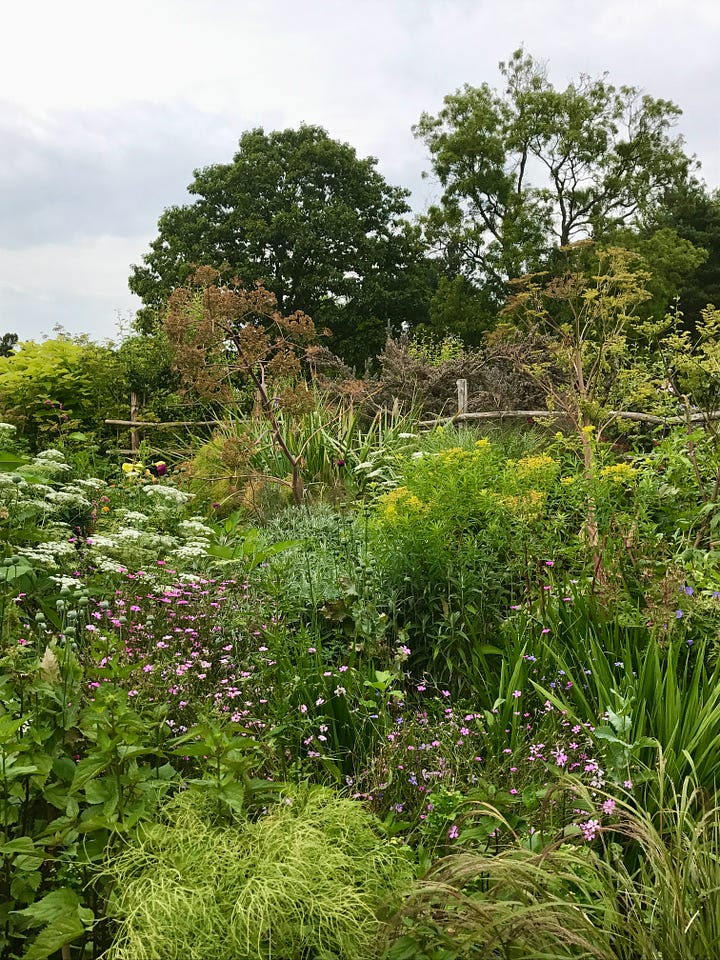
(306, 880)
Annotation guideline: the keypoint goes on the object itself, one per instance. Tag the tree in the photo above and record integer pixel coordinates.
(7, 344)
(693, 214)
(56, 387)
(533, 168)
(304, 215)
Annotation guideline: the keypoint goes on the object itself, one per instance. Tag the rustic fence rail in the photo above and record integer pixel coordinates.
(460, 416)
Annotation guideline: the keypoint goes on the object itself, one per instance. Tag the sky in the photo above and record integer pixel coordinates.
(106, 109)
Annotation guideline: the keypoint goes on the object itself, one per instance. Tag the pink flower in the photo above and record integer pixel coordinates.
(589, 829)
(453, 832)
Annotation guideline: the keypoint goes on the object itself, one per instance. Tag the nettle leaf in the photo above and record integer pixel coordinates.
(51, 907)
(56, 935)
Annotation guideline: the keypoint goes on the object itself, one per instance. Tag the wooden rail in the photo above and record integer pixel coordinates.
(462, 416)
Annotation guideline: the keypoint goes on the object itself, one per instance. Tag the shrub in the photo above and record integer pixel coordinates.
(307, 880)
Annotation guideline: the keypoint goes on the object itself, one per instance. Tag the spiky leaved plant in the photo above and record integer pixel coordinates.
(647, 887)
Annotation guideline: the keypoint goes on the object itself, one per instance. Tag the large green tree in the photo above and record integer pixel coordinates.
(319, 226)
(530, 169)
(693, 213)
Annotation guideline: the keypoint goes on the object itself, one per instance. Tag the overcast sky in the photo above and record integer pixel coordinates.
(106, 108)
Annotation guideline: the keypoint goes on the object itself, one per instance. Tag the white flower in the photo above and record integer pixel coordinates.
(195, 527)
(189, 552)
(107, 543)
(167, 493)
(106, 565)
(130, 533)
(134, 516)
(51, 454)
(71, 583)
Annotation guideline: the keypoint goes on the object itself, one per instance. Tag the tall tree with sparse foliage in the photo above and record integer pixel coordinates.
(532, 168)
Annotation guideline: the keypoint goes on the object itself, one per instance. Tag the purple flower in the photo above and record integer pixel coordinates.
(589, 829)
(453, 832)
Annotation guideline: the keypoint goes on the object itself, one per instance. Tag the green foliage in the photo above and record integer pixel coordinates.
(317, 225)
(54, 388)
(532, 168)
(307, 879)
(670, 260)
(7, 344)
(456, 539)
(581, 330)
(340, 453)
(649, 691)
(436, 352)
(693, 213)
(578, 901)
(458, 309)
(59, 810)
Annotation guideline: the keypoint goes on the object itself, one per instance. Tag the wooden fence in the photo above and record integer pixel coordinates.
(460, 416)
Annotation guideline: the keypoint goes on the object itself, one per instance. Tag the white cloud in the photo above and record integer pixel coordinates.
(82, 286)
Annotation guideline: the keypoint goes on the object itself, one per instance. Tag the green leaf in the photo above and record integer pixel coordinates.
(21, 845)
(9, 462)
(52, 906)
(86, 770)
(61, 931)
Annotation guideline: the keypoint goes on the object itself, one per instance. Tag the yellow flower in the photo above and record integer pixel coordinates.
(620, 473)
(401, 504)
(535, 468)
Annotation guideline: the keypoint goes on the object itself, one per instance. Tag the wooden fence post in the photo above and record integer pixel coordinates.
(134, 412)
(462, 397)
